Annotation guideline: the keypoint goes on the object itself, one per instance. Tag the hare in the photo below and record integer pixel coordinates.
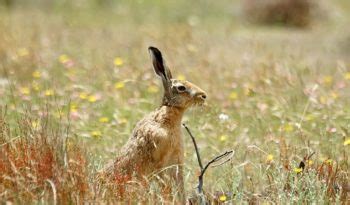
(156, 142)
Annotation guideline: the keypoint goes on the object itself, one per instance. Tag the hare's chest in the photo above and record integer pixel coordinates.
(174, 137)
(170, 148)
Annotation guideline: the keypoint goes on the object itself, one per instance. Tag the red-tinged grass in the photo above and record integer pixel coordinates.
(334, 178)
(38, 165)
(327, 178)
(126, 188)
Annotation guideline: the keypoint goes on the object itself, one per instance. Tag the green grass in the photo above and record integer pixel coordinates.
(285, 92)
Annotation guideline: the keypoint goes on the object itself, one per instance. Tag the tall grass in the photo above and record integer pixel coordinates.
(75, 77)
(38, 163)
(42, 164)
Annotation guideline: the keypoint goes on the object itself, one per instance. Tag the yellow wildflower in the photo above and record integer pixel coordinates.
(92, 98)
(123, 121)
(181, 77)
(35, 124)
(73, 107)
(347, 142)
(269, 158)
(288, 127)
(83, 95)
(233, 95)
(63, 58)
(119, 85)
(328, 79)
(309, 162)
(25, 90)
(298, 170)
(223, 138)
(329, 161)
(36, 74)
(96, 134)
(49, 92)
(152, 89)
(118, 61)
(103, 119)
(22, 52)
(347, 76)
(223, 198)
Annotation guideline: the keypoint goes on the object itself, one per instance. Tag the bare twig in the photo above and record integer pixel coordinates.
(215, 159)
(195, 146)
(308, 157)
(203, 169)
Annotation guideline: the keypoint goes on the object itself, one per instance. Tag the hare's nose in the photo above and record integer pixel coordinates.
(201, 95)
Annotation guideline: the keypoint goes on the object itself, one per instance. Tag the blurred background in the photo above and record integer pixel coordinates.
(276, 72)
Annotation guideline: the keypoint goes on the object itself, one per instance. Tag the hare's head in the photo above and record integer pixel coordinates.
(177, 93)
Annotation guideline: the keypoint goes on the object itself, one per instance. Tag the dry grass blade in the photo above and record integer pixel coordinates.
(54, 191)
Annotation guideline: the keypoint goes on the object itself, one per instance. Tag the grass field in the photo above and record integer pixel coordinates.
(75, 77)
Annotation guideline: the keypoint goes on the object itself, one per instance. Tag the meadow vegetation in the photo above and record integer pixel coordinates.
(75, 77)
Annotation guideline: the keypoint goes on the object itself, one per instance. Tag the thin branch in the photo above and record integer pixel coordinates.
(195, 146)
(228, 159)
(308, 157)
(203, 169)
(215, 159)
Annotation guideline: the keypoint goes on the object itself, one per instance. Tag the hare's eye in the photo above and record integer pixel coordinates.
(181, 88)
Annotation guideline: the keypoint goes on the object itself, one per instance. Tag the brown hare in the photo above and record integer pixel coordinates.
(156, 142)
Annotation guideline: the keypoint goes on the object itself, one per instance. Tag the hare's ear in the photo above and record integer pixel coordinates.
(159, 64)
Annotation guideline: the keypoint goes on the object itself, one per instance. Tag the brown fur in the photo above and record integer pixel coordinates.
(156, 142)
